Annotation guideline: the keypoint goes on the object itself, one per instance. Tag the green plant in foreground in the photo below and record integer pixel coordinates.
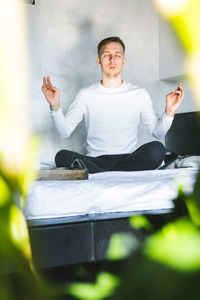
(165, 266)
(18, 279)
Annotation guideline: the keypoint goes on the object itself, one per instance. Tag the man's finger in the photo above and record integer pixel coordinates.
(57, 90)
(182, 94)
(172, 93)
(178, 92)
(44, 80)
(180, 87)
(44, 89)
(49, 81)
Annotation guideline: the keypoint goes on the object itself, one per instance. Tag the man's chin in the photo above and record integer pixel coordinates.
(113, 73)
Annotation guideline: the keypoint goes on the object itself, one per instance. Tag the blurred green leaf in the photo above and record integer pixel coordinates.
(122, 245)
(104, 287)
(28, 173)
(4, 192)
(196, 190)
(187, 26)
(184, 16)
(19, 231)
(193, 210)
(140, 222)
(177, 245)
(193, 202)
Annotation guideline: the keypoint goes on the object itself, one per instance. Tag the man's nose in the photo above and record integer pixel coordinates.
(111, 57)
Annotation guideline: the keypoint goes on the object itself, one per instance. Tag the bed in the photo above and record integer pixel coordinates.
(71, 221)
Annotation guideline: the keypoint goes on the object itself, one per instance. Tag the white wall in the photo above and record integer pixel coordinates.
(63, 36)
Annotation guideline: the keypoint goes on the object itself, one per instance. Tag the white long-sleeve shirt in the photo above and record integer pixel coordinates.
(112, 117)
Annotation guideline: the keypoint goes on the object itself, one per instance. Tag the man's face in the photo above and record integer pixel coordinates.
(111, 59)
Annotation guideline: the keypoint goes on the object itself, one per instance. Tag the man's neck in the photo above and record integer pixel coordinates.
(112, 82)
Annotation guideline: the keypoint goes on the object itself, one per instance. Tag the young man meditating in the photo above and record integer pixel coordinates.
(112, 110)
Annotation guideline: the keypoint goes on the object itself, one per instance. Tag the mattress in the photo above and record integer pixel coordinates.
(108, 193)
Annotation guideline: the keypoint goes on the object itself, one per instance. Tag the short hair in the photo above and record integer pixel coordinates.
(108, 40)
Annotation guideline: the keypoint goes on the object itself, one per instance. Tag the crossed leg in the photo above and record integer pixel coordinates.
(147, 157)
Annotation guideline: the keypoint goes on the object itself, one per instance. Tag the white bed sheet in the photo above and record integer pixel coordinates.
(107, 192)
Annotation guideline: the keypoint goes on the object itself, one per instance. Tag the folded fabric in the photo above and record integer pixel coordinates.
(185, 161)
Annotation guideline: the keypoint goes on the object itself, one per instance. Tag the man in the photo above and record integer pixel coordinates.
(112, 110)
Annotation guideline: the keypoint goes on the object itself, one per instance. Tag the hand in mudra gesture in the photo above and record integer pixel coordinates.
(52, 94)
(173, 100)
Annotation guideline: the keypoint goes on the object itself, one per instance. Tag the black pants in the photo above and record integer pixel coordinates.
(147, 157)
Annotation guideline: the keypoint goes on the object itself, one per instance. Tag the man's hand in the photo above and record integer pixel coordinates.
(51, 93)
(173, 100)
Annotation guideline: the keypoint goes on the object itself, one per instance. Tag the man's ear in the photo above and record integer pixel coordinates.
(124, 61)
(98, 61)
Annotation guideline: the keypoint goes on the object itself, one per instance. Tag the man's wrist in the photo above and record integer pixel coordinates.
(169, 113)
(54, 107)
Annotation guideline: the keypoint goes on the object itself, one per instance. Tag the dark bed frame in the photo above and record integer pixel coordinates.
(59, 242)
(71, 240)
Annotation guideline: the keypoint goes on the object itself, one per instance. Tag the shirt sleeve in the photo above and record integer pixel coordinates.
(158, 126)
(65, 125)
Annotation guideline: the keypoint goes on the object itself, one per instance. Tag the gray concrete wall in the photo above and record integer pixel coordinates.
(63, 36)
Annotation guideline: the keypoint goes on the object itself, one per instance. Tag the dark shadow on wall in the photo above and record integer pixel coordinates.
(78, 69)
(80, 63)
(81, 66)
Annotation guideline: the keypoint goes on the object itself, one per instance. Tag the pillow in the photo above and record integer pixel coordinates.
(185, 161)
